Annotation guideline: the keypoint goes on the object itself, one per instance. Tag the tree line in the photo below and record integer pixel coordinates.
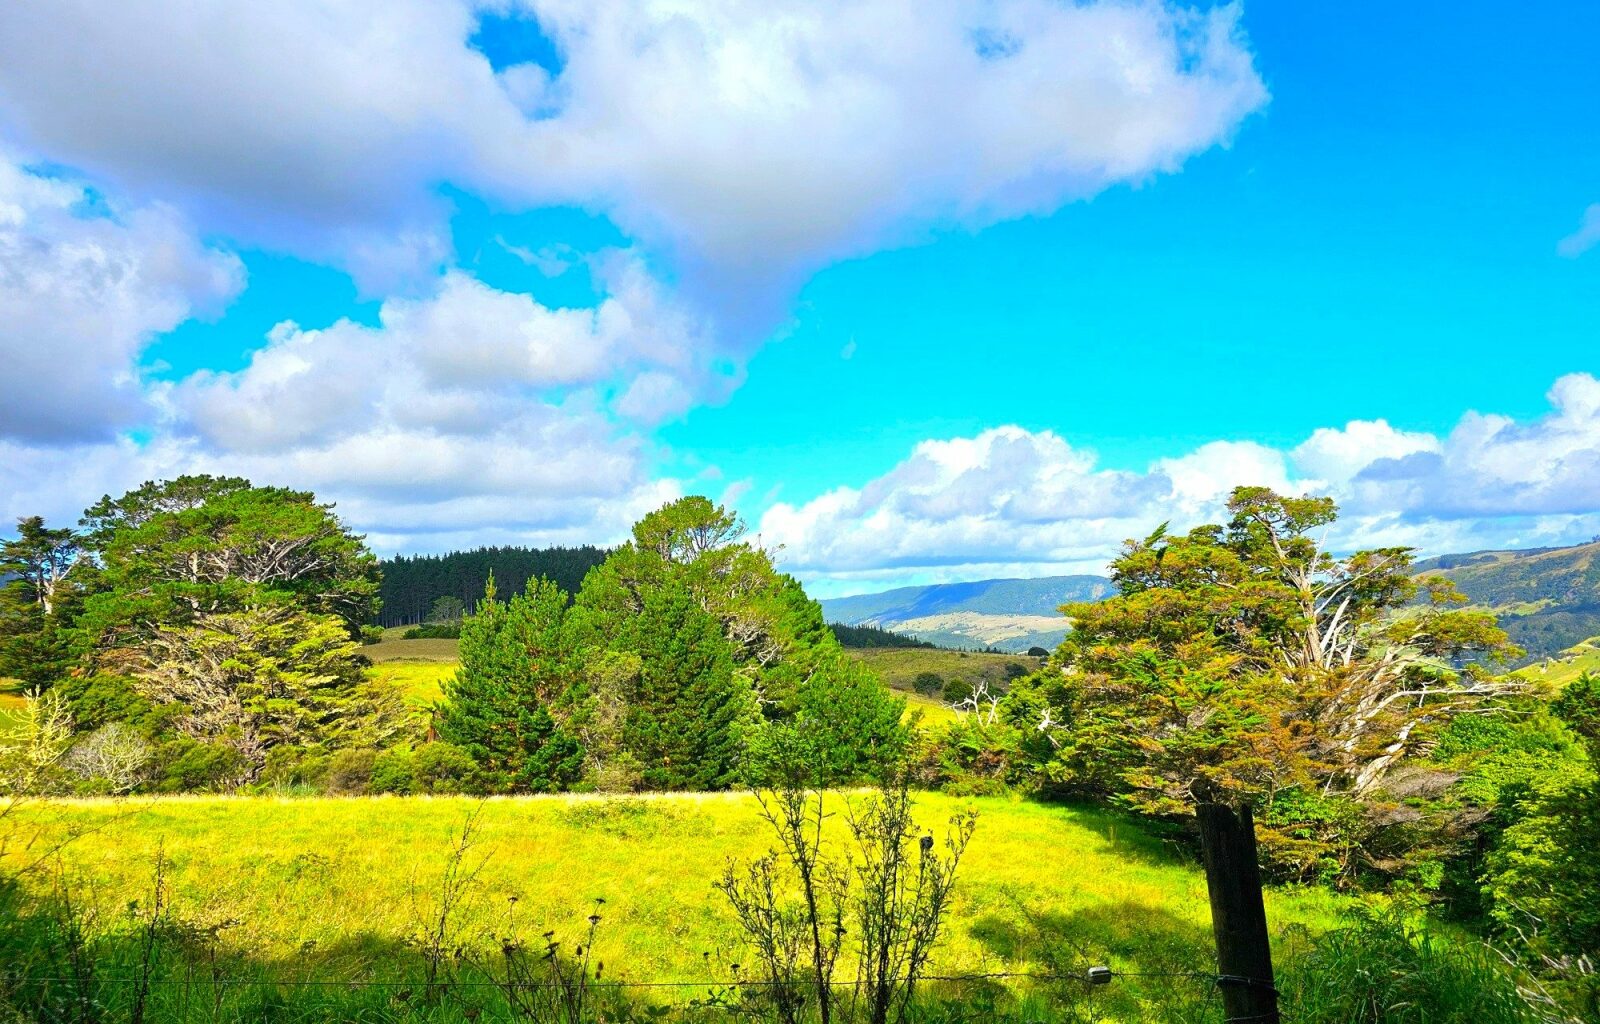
(206, 633)
(411, 585)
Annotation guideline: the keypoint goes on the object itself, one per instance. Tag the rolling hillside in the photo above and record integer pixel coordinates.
(1009, 614)
(1548, 599)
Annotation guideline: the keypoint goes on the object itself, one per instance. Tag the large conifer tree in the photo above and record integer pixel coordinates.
(515, 668)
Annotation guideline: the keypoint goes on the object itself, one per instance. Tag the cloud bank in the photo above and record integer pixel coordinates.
(1012, 501)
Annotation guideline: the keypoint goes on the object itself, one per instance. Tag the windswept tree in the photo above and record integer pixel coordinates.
(1244, 660)
(177, 549)
(264, 677)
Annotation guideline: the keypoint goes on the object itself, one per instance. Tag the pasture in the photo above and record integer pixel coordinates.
(335, 888)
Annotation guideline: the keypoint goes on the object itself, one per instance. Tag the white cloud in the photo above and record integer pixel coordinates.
(82, 291)
(1585, 238)
(754, 140)
(1010, 501)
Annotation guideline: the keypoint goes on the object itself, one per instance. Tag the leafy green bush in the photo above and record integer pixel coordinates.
(350, 771)
(442, 768)
(394, 771)
(956, 691)
(928, 683)
(187, 765)
(434, 631)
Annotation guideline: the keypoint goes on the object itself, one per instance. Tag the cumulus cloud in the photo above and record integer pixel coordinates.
(1585, 238)
(1011, 501)
(468, 413)
(82, 291)
(752, 140)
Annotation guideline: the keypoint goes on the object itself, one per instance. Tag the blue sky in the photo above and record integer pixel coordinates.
(918, 314)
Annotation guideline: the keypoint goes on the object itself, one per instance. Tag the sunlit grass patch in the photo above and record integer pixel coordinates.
(322, 879)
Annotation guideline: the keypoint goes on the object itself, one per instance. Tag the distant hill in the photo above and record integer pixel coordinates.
(1548, 599)
(1009, 614)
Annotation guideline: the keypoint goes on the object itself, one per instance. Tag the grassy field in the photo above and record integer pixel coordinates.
(1566, 666)
(899, 666)
(334, 887)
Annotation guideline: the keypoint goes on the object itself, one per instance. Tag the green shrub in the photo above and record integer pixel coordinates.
(442, 768)
(956, 691)
(394, 771)
(188, 766)
(291, 767)
(928, 684)
(350, 771)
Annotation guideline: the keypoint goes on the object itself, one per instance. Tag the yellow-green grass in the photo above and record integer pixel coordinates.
(900, 666)
(421, 682)
(412, 650)
(1565, 667)
(331, 885)
(11, 703)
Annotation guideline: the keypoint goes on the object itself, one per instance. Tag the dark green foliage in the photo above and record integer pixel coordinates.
(928, 683)
(442, 768)
(187, 766)
(171, 550)
(515, 666)
(872, 636)
(846, 724)
(41, 574)
(688, 714)
(413, 584)
(956, 691)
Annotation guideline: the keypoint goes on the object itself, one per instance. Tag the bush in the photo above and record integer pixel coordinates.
(289, 767)
(350, 771)
(956, 691)
(1383, 970)
(928, 684)
(190, 766)
(394, 771)
(112, 759)
(442, 768)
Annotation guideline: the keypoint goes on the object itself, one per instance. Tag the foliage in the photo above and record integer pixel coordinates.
(516, 667)
(254, 679)
(412, 585)
(170, 551)
(1241, 661)
(928, 683)
(846, 727)
(45, 567)
(872, 636)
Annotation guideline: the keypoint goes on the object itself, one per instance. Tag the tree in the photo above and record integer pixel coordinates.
(688, 715)
(263, 677)
(35, 605)
(1242, 661)
(847, 724)
(41, 559)
(447, 610)
(517, 674)
(928, 683)
(171, 551)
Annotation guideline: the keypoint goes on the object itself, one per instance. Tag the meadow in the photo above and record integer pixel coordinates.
(333, 888)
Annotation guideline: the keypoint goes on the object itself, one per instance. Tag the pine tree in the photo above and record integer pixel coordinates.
(515, 667)
(689, 715)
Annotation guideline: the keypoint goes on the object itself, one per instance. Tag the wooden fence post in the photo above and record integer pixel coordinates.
(1238, 914)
